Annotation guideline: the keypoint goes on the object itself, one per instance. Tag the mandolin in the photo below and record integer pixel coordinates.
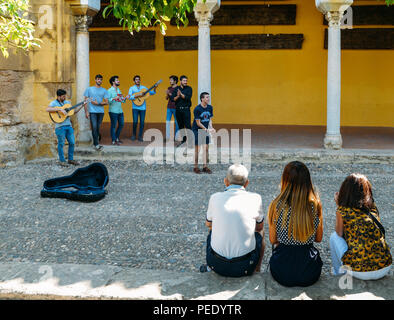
(145, 94)
(59, 117)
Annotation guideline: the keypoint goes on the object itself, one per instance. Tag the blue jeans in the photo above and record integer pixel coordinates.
(136, 114)
(95, 121)
(236, 267)
(63, 133)
(116, 119)
(170, 113)
(338, 247)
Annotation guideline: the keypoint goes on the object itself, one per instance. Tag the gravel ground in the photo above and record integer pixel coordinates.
(153, 215)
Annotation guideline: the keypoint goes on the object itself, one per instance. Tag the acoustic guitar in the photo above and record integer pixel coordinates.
(59, 117)
(145, 94)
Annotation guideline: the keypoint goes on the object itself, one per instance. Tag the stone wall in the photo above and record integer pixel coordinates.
(20, 138)
(23, 142)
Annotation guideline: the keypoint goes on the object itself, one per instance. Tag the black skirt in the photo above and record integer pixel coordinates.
(295, 265)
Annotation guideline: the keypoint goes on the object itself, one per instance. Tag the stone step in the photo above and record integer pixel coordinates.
(70, 281)
(225, 154)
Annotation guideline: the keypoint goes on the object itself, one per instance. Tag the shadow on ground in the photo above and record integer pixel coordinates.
(68, 281)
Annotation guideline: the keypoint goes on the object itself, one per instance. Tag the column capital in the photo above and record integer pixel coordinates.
(334, 18)
(325, 6)
(203, 11)
(82, 23)
(84, 7)
(333, 10)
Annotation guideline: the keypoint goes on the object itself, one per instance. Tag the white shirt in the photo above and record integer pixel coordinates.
(234, 214)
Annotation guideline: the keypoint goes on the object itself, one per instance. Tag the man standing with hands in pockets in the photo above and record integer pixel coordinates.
(99, 97)
(182, 96)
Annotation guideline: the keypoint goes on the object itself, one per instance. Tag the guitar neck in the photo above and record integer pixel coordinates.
(153, 86)
(150, 88)
(76, 106)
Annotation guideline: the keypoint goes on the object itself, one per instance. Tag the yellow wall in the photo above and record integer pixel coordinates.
(47, 68)
(285, 87)
(53, 63)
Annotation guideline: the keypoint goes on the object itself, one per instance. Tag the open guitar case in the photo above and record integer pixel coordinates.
(86, 184)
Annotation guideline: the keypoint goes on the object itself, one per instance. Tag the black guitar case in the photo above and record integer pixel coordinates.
(86, 184)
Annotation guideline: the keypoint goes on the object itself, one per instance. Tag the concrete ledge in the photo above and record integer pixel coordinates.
(257, 154)
(72, 281)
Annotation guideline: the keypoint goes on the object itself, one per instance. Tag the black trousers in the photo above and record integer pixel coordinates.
(183, 118)
(295, 266)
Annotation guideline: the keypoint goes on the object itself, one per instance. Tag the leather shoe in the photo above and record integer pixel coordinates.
(196, 170)
(73, 162)
(206, 170)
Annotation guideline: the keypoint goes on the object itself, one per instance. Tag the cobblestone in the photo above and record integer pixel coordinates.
(153, 215)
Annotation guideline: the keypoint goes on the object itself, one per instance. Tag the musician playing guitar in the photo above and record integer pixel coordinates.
(137, 94)
(64, 130)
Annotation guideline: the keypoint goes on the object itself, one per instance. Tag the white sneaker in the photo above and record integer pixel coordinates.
(98, 147)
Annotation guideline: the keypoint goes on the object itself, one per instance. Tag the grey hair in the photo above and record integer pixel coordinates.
(237, 174)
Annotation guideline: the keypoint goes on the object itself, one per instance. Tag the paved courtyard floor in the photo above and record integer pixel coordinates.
(153, 215)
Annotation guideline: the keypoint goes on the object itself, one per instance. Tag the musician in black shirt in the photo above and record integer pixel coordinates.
(182, 96)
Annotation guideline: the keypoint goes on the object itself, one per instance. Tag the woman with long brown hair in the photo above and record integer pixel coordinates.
(358, 244)
(295, 221)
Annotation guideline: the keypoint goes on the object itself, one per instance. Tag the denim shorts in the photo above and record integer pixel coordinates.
(204, 137)
(236, 267)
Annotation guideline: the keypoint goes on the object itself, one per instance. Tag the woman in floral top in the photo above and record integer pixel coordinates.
(358, 245)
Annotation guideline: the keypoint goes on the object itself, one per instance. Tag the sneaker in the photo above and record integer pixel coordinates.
(132, 138)
(196, 170)
(62, 163)
(206, 170)
(113, 143)
(119, 141)
(140, 140)
(99, 147)
(73, 162)
(204, 268)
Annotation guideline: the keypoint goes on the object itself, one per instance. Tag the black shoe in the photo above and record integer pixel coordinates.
(206, 170)
(140, 140)
(204, 268)
(132, 138)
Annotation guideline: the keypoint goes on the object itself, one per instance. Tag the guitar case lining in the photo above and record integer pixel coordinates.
(86, 184)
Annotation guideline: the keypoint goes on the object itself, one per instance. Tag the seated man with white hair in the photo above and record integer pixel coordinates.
(235, 244)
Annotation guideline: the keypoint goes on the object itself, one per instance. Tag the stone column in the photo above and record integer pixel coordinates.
(82, 23)
(333, 138)
(204, 14)
(333, 11)
(83, 12)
